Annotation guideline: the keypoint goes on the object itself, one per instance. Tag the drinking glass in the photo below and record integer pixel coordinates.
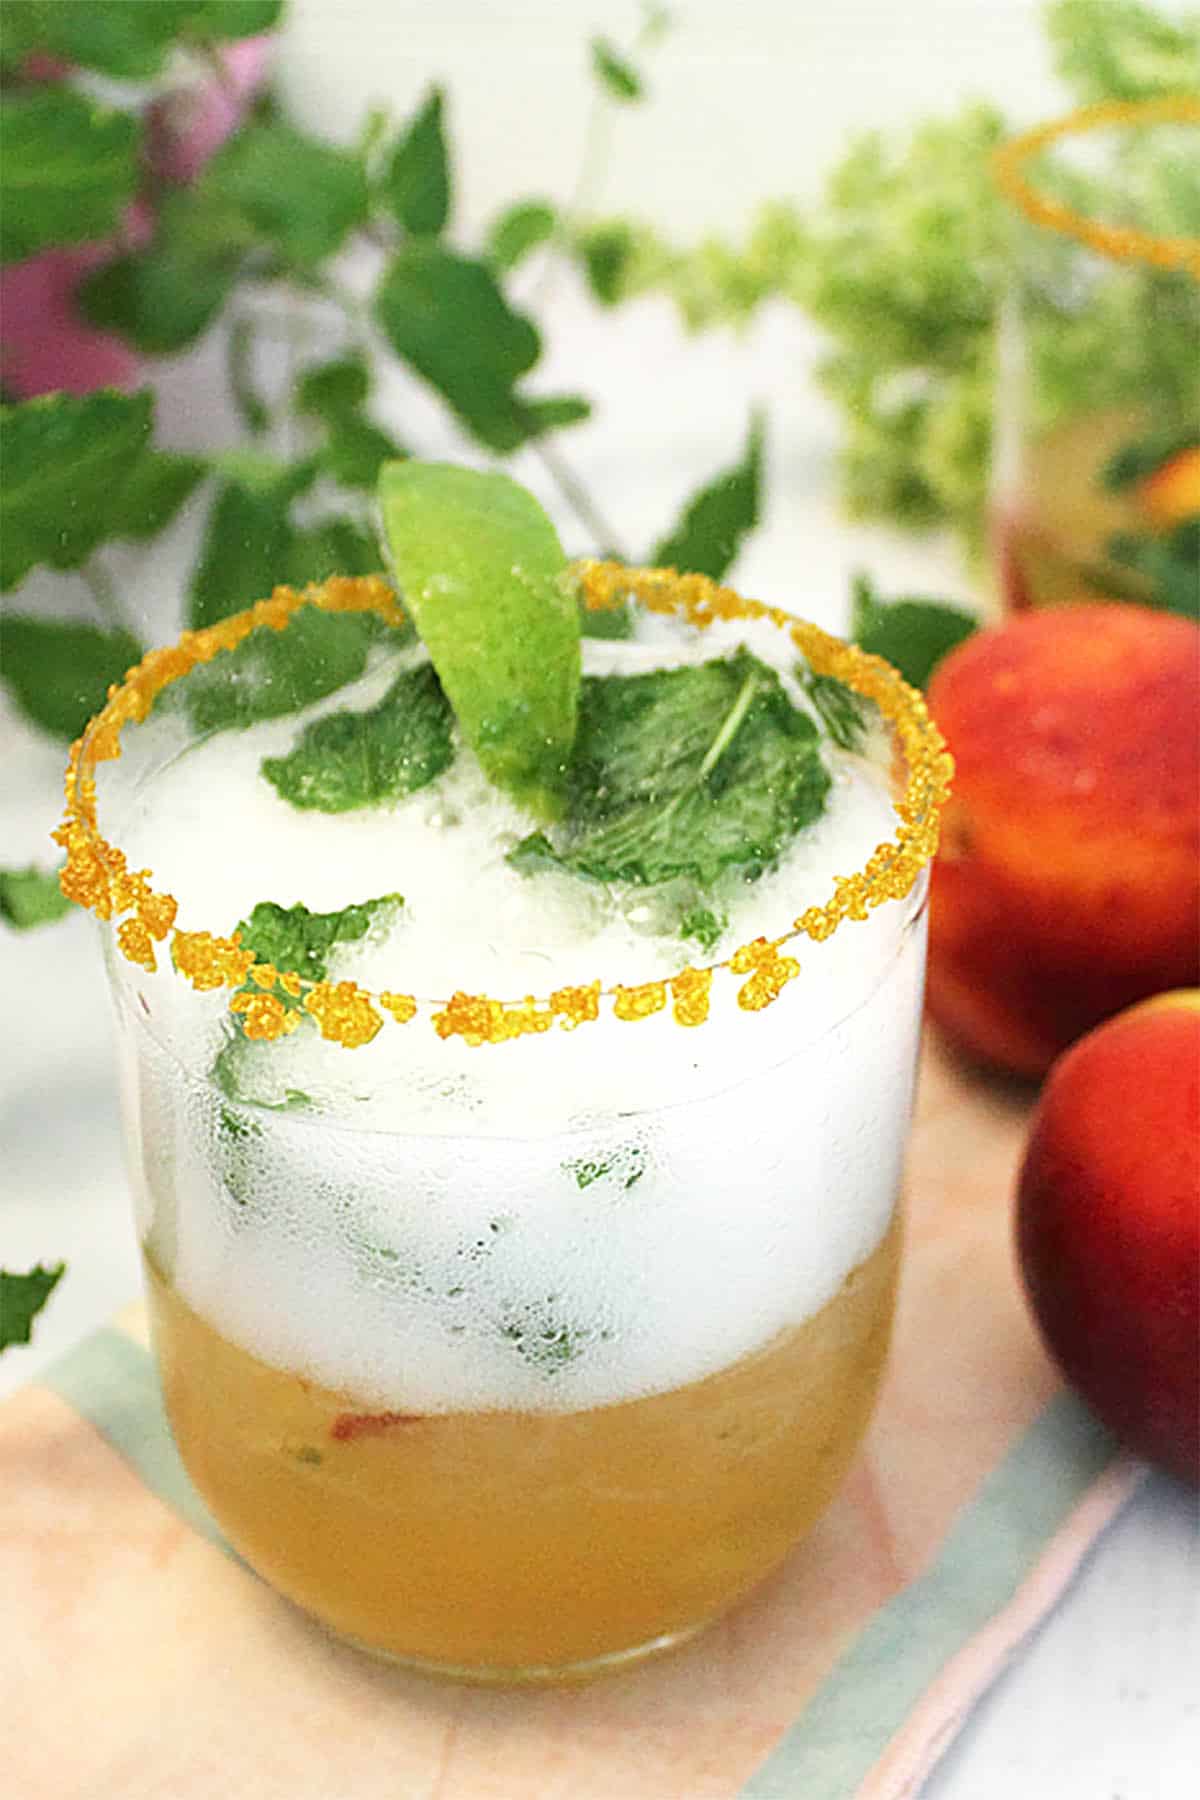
(1096, 472)
(517, 1402)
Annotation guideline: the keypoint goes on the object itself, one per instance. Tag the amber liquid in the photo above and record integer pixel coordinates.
(517, 1545)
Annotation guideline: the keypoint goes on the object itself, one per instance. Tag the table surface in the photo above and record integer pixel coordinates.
(1103, 1704)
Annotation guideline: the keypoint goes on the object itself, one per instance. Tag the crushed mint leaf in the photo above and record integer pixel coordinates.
(272, 673)
(353, 759)
(844, 713)
(689, 771)
(704, 926)
(625, 1167)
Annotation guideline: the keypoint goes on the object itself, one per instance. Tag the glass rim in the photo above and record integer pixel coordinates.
(1118, 243)
(96, 874)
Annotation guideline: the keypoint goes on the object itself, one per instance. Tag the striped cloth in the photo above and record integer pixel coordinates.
(160, 1668)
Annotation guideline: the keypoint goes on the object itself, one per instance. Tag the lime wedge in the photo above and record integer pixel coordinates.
(483, 575)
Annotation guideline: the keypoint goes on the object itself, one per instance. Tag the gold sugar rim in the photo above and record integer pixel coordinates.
(1120, 243)
(96, 874)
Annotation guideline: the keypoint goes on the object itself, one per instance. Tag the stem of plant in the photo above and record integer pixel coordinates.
(580, 501)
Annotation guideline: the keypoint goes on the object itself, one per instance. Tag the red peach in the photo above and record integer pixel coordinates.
(1108, 1226)
(1068, 882)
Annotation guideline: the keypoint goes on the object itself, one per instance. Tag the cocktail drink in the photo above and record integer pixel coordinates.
(516, 1086)
(1097, 454)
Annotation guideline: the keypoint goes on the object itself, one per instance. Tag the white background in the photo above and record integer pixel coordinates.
(749, 101)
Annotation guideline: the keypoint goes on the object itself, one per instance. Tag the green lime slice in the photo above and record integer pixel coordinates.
(481, 571)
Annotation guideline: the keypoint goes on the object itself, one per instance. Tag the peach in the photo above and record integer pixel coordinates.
(1108, 1226)
(1067, 886)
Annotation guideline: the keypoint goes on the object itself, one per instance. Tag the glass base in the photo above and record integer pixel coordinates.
(556, 1675)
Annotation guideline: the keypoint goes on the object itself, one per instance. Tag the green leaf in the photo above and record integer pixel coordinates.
(159, 485)
(518, 231)
(1133, 462)
(331, 547)
(252, 409)
(416, 185)
(30, 897)
(249, 540)
(913, 635)
(65, 456)
(161, 298)
(59, 672)
(272, 673)
(707, 538)
(445, 316)
(1121, 50)
(606, 622)
(842, 711)
(703, 925)
(303, 196)
(128, 41)
(70, 167)
(22, 1298)
(615, 73)
(481, 569)
(1165, 569)
(330, 390)
(554, 412)
(352, 759)
(607, 251)
(301, 942)
(355, 447)
(687, 772)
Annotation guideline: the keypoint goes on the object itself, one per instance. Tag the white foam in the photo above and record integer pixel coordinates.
(563, 1221)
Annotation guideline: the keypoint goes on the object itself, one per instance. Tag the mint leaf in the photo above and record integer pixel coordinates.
(615, 73)
(703, 925)
(913, 635)
(607, 251)
(353, 759)
(272, 673)
(445, 316)
(65, 459)
(686, 772)
(301, 942)
(160, 483)
(303, 196)
(714, 522)
(59, 672)
(481, 570)
(70, 167)
(1164, 570)
(843, 712)
(333, 546)
(162, 297)
(355, 447)
(542, 1337)
(606, 622)
(248, 540)
(31, 897)
(625, 1167)
(416, 185)
(126, 41)
(1134, 461)
(518, 231)
(252, 409)
(22, 1298)
(552, 412)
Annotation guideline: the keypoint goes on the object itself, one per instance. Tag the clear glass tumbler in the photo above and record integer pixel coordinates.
(519, 1405)
(1096, 471)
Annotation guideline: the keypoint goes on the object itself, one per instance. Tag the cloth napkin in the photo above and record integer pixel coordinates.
(145, 1662)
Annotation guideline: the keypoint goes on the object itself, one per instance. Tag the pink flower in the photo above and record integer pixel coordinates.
(45, 342)
(186, 128)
